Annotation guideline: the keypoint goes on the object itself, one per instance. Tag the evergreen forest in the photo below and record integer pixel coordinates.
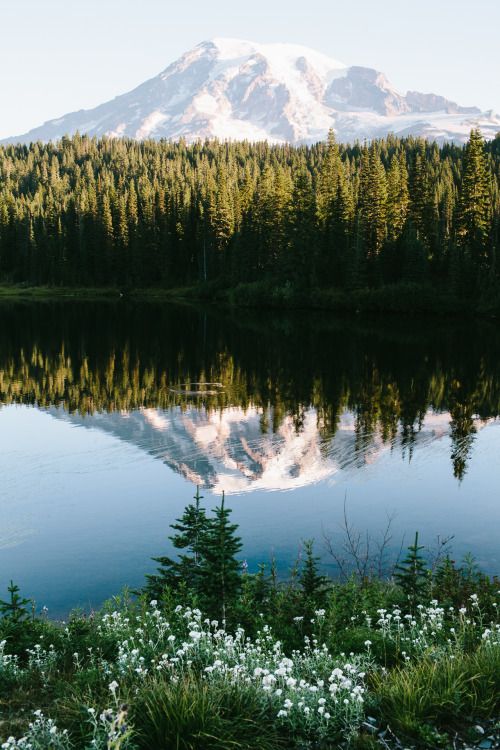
(87, 212)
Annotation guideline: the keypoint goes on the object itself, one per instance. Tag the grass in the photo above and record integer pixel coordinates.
(20, 292)
(430, 697)
(158, 676)
(408, 298)
(193, 715)
(303, 664)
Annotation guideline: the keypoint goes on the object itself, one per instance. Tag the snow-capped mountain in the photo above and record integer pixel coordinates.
(227, 450)
(233, 89)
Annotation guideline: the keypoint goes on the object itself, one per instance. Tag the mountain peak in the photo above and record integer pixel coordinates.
(237, 89)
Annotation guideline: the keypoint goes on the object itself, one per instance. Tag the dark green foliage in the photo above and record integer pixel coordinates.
(193, 715)
(474, 208)
(157, 214)
(14, 609)
(423, 699)
(456, 583)
(313, 584)
(186, 570)
(220, 571)
(411, 574)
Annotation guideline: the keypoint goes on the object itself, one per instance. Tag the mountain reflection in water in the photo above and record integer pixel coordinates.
(236, 399)
(134, 404)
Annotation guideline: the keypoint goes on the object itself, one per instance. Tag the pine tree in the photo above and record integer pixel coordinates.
(312, 583)
(474, 208)
(220, 570)
(373, 202)
(14, 609)
(411, 574)
(328, 182)
(301, 259)
(186, 570)
(398, 197)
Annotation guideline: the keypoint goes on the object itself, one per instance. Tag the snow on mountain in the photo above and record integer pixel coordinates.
(227, 449)
(233, 89)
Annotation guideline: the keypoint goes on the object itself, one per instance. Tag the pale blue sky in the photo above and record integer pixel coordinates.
(60, 55)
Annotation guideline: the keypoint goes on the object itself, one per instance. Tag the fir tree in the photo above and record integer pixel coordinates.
(312, 583)
(411, 574)
(474, 203)
(14, 609)
(398, 197)
(220, 570)
(186, 570)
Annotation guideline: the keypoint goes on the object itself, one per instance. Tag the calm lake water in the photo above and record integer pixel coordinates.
(105, 430)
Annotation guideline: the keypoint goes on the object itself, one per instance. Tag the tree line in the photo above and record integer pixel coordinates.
(115, 212)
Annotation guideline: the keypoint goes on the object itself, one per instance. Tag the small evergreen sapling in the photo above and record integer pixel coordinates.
(411, 574)
(14, 609)
(312, 584)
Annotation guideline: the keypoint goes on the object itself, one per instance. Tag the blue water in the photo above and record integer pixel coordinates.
(86, 499)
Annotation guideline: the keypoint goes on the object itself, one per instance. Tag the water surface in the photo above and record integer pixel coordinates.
(111, 414)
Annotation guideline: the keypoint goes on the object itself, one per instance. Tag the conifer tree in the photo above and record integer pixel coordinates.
(411, 574)
(186, 570)
(373, 202)
(474, 203)
(328, 181)
(220, 570)
(398, 197)
(312, 583)
(14, 609)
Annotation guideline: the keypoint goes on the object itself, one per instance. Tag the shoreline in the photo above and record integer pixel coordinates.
(405, 299)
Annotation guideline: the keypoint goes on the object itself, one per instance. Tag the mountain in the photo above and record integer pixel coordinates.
(227, 449)
(233, 89)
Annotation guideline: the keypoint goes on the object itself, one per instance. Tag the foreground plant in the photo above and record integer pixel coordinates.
(314, 661)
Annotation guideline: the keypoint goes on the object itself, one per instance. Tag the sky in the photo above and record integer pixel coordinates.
(57, 56)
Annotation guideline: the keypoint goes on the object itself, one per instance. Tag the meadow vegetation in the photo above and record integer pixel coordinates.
(211, 656)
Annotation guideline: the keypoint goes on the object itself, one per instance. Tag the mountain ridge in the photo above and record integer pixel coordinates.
(234, 89)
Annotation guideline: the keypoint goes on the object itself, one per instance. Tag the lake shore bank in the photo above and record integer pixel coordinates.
(408, 299)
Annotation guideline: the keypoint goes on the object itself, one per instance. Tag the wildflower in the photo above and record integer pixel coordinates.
(113, 686)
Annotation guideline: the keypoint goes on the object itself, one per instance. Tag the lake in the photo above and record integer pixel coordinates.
(111, 414)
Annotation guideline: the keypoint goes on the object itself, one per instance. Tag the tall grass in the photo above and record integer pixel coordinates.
(194, 715)
(439, 694)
